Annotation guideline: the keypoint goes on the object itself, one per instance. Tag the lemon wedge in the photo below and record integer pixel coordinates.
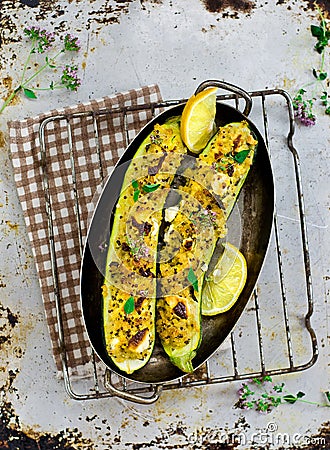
(222, 289)
(198, 119)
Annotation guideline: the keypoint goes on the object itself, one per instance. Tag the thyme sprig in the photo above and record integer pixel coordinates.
(138, 247)
(42, 42)
(262, 395)
(303, 103)
(204, 217)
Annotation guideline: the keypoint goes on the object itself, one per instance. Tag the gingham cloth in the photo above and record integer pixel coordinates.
(90, 152)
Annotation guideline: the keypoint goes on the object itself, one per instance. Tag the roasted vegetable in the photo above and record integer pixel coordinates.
(230, 155)
(207, 196)
(165, 254)
(129, 289)
(189, 241)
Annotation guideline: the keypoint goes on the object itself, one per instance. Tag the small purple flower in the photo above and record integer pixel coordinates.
(71, 43)
(138, 248)
(241, 390)
(41, 37)
(204, 217)
(308, 121)
(303, 109)
(143, 293)
(304, 114)
(70, 78)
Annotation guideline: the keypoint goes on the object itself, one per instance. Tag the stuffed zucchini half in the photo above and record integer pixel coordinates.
(229, 155)
(129, 289)
(208, 191)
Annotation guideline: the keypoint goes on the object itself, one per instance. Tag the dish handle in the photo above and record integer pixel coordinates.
(229, 87)
(125, 395)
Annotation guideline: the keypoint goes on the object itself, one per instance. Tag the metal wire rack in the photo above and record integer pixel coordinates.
(274, 336)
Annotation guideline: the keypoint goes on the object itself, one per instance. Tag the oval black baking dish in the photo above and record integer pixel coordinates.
(256, 216)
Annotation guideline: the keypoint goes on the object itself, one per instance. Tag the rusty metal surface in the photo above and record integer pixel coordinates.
(175, 46)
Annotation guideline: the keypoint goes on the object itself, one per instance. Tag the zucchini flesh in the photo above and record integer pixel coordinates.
(214, 183)
(129, 289)
(230, 155)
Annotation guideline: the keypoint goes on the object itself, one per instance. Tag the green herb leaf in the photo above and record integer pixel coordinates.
(316, 31)
(300, 394)
(267, 378)
(129, 305)
(323, 76)
(137, 191)
(29, 94)
(315, 73)
(250, 404)
(262, 406)
(52, 66)
(278, 387)
(276, 401)
(241, 156)
(324, 96)
(320, 46)
(327, 394)
(290, 398)
(192, 279)
(136, 195)
(150, 187)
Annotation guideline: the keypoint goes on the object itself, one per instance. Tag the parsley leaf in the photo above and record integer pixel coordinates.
(193, 279)
(136, 195)
(135, 184)
(150, 187)
(129, 305)
(240, 157)
(29, 94)
(136, 192)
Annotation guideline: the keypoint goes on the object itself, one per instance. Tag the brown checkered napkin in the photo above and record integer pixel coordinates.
(79, 151)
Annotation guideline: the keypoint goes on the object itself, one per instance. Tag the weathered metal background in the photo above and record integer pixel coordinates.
(177, 44)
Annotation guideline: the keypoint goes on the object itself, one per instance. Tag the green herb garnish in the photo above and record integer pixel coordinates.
(135, 184)
(322, 34)
(43, 42)
(150, 187)
(138, 248)
(136, 195)
(129, 306)
(193, 279)
(303, 101)
(29, 93)
(290, 398)
(137, 191)
(262, 395)
(241, 156)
